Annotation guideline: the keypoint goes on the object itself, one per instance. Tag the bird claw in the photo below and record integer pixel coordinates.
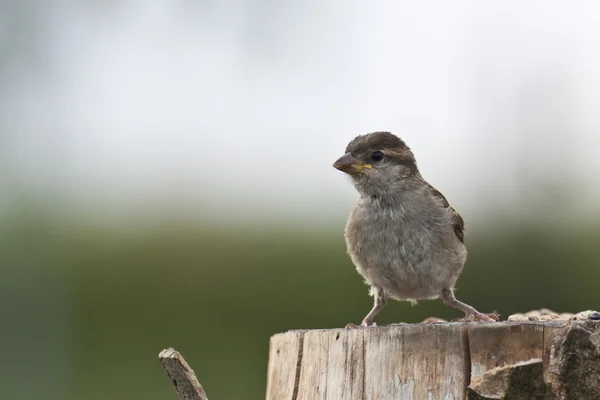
(433, 320)
(480, 317)
(365, 323)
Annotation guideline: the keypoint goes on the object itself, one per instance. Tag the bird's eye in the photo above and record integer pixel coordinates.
(377, 155)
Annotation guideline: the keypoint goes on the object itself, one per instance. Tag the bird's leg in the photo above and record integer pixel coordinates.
(471, 314)
(379, 301)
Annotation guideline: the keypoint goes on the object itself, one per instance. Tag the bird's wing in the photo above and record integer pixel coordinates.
(458, 223)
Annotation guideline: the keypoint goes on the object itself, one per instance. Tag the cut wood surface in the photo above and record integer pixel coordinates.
(505, 360)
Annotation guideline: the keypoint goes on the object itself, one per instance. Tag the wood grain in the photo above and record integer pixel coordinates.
(313, 374)
(418, 361)
(346, 364)
(285, 360)
(497, 345)
(383, 351)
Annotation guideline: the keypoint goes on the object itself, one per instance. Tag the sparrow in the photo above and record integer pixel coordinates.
(403, 236)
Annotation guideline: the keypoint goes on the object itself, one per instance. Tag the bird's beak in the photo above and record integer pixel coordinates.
(350, 165)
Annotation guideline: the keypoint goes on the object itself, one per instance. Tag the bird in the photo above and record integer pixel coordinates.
(403, 236)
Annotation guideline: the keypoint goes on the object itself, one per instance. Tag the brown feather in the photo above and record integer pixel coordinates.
(458, 223)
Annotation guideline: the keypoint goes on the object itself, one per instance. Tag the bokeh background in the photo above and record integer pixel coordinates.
(166, 180)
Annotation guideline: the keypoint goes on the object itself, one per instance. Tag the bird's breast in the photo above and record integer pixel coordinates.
(400, 235)
(384, 236)
(405, 252)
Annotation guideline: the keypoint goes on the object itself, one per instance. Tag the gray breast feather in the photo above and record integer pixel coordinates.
(397, 246)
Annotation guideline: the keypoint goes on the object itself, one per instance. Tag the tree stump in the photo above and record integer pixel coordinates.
(505, 360)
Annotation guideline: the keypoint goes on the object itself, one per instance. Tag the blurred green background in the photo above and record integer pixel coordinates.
(90, 307)
(166, 180)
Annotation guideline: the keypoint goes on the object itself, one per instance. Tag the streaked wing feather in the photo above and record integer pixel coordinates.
(458, 223)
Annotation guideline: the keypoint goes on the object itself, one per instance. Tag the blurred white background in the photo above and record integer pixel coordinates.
(237, 109)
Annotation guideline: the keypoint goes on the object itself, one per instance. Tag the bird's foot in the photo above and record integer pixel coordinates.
(433, 320)
(365, 323)
(480, 317)
(368, 322)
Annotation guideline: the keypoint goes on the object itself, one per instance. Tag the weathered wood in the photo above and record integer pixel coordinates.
(506, 360)
(313, 374)
(406, 361)
(181, 374)
(346, 364)
(496, 345)
(575, 361)
(524, 379)
(371, 363)
(285, 359)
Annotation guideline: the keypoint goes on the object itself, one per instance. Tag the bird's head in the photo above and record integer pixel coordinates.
(378, 163)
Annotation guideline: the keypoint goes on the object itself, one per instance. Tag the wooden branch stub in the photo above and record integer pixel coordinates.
(506, 360)
(181, 374)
